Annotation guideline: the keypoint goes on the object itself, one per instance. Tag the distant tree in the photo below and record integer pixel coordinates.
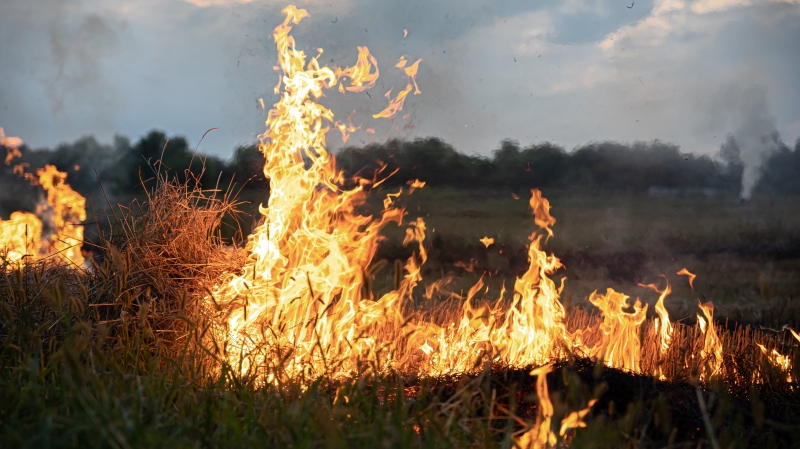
(248, 166)
(780, 174)
(154, 153)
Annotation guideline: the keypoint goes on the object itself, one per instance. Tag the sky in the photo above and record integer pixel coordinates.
(689, 72)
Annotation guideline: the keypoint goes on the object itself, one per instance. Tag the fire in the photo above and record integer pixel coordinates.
(711, 353)
(11, 144)
(691, 276)
(779, 360)
(21, 236)
(541, 435)
(395, 105)
(66, 207)
(361, 75)
(301, 295)
(619, 346)
(303, 305)
(487, 241)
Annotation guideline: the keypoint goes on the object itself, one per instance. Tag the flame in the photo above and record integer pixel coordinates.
(575, 419)
(411, 72)
(711, 353)
(691, 276)
(662, 323)
(782, 362)
(619, 346)
(361, 75)
(415, 184)
(68, 208)
(12, 145)
(530, 331)
(541, 434)
(395, 105)
(302, 294)
(487, 241)
(302, 305)
(21, 235)
(541, 212)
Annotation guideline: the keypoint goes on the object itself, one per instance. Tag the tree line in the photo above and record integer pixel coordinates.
(608, 166)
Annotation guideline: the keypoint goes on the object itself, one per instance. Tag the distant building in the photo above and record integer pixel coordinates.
(673, 192)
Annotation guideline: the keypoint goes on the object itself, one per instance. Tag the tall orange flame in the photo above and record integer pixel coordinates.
(303, 306)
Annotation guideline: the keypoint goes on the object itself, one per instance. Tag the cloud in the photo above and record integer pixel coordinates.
(209, 3)
(569, 72)
(709, 6)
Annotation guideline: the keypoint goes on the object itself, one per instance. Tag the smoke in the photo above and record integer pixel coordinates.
(77, 48)
(754, 140)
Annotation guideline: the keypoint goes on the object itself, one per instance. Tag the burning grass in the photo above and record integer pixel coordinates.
(173, 337)
(120, 356)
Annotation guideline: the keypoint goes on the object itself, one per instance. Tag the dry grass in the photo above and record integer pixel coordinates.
(105, 355)
(155, 261)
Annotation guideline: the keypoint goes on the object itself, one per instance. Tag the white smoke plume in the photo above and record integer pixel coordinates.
(754, 140)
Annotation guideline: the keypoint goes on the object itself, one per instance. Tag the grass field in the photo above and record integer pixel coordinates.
(746, 255)
(96, 366)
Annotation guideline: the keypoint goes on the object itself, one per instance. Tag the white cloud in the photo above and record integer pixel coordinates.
(209, 3)
(569, 72)
(582, 6)
(709, 6)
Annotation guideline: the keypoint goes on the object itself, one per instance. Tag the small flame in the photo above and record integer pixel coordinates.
(487, 241)
(711, 353)
(541, 212)
(396, 104)
(541, 435)
(361, 75)
(619, 346)
(411, 72)
(575, 420)
(663, 316)
(691, 276)
(415, 184)
(779, 360)
(12, 145)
